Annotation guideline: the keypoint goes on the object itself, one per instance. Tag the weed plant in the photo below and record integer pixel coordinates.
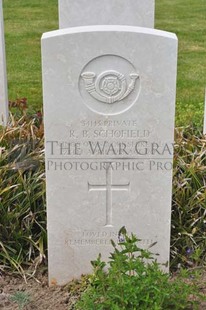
(21, 298)
(22, 194)
(188, 235)
(134, 281)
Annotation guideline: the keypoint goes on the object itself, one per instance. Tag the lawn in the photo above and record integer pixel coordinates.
(187, 18)
(26, 20)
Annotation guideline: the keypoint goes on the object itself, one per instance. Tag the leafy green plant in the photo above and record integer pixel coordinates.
(134, 280)
(21, 298)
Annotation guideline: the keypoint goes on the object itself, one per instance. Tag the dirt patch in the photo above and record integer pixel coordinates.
(42, 297)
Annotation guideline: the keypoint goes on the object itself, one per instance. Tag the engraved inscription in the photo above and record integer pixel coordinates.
(109, 188)
(100, 238)
(110, 86)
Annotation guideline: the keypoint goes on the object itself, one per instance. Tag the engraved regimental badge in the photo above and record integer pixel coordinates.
(109, 85)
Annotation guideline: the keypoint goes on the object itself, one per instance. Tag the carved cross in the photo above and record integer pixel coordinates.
(109, 188)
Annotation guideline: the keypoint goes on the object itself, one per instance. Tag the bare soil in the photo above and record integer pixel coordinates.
(43, 297)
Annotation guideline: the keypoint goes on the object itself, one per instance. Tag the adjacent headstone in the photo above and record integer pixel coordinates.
(3, 78)
(204, 127)
(109, 105)
(73, 13)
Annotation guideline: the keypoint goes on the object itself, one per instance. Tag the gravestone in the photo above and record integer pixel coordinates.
(109, 104)
(73, 13)
(3, 78)
(204, 127)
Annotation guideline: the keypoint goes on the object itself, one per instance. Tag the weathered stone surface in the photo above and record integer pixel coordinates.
(74, 13)
(3, 78)
(109, 103)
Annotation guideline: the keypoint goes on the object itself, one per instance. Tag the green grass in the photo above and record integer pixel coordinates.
(26, 20)
(187, 18)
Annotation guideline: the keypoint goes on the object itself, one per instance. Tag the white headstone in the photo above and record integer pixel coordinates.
(73, 13)
(3, 78)
(109, 105)
(204, 127)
